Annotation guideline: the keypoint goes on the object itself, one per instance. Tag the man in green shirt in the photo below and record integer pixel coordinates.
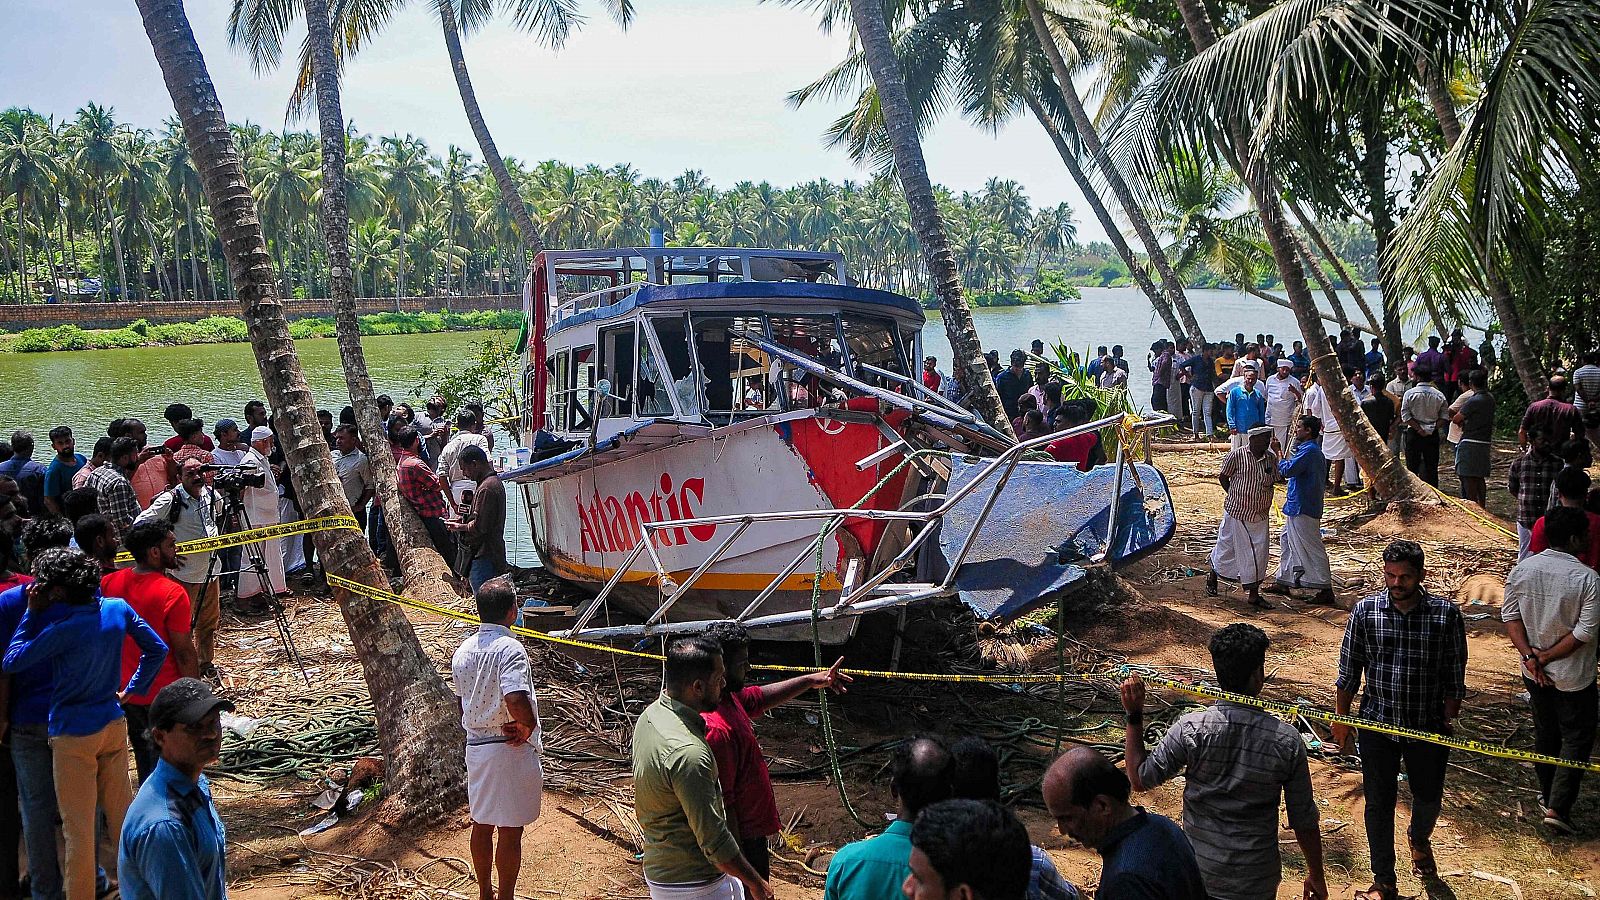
(689, 851)
(876, 868)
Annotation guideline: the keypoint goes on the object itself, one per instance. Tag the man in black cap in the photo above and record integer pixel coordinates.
(173, 841)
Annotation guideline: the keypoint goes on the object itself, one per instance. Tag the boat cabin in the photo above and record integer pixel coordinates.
(627, 336)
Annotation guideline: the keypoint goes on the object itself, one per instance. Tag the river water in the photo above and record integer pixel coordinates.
(87, 389)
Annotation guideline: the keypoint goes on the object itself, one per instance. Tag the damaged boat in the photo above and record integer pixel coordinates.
(737, 434)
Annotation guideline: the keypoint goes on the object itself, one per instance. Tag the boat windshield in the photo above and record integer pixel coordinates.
(737, 379)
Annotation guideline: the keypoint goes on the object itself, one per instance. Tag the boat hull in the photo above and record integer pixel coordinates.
(588, 523)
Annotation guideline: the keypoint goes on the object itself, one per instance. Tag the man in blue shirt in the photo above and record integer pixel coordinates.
(173, 843)
(1302, 559)
(1145, 856)
(1246, 408)
(1375, 360)
(88, 733)
(29, 474)
(876, 868)
(64, 465)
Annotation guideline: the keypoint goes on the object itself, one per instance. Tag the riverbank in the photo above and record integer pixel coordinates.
(229, 330)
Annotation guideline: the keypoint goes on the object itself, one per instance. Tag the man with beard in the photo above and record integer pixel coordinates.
(689, 851)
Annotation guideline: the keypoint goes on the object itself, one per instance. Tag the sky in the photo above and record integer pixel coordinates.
(693, 84)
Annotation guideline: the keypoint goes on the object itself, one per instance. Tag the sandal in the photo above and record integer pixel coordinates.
(1379, 892)
(1259, 603)
(1211, 585)
(1422, 863)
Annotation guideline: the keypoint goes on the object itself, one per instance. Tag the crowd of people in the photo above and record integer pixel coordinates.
(106, 659)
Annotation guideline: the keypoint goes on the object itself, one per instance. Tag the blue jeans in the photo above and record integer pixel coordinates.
(482, 570)
(36, 789)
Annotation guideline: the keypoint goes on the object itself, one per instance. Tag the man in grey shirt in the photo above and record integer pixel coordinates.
(1236, 761)
(485, 527)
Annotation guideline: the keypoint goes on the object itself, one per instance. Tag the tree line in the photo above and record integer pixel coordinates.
(94, 198)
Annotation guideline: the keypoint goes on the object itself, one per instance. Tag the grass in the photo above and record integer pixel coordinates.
(228, 330)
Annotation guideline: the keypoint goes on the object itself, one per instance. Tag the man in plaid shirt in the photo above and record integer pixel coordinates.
(114, 495)
(419, 487)
(1532, 474)
(1412, 649)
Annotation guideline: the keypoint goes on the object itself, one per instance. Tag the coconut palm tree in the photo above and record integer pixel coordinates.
(27, 170)
(1230, 139)
(417, 722)
(406, 171)
(95, 154)
(873, 32)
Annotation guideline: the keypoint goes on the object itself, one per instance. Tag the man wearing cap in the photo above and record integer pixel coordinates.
(173, 844)
(1242, 540)
(1284, 393)
(261, 508)
(500, 712)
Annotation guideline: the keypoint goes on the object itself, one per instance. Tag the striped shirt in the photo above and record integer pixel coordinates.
(1586, 392)
(1249, 484)
(1236, 761)
(1412, 661)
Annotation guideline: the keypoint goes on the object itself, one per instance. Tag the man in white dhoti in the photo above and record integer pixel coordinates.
(500, 712)
(1334, 448)
(1302, 559)
(1247, 475)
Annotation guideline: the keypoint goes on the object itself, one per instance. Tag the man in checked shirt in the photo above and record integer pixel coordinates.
(1412, 648)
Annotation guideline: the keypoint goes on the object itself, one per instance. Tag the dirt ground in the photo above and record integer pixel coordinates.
(1489, 842)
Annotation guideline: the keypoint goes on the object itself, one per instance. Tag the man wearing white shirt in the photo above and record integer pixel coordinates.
(1551, 611)
(1284, 394)
(470, 434)
(500, 712)
(1334, 446)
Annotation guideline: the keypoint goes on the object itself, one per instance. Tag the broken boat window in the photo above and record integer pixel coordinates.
(736, 371)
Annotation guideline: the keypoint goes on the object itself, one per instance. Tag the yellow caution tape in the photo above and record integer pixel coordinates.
(372, 593)
(254, 535)
(1467, 508)
(1290, 710)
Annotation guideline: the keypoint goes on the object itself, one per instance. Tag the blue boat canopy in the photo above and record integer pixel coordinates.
(742, 290)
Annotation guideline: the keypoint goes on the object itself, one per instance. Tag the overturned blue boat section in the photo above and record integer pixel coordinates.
(1047, 526)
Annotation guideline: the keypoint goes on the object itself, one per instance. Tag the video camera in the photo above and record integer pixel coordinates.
(234, 479)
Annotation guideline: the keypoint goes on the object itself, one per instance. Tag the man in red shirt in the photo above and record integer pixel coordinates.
(1572, 487)
(420, 488)
(746, 786)
(164, 604)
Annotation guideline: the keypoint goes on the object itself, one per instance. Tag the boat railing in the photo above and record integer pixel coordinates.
(869, 595)
(591, 299)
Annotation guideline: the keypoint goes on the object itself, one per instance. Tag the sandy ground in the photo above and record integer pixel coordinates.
(1489, 842)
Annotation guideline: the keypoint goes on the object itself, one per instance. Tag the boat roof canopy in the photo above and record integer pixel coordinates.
(770, 295)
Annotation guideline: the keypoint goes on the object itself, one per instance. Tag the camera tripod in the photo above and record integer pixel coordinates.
(235, 518)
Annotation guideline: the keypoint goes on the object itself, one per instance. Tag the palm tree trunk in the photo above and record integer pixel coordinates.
(1321, 278)
(194, 251)
(423, 567)
(1090, 138)
(22, 248)
(509, 194)
(912, 168)
(116, 251)
(1275, 300)
(1321, 241)
(417, 715)
(1373, 168)
(1136, 269)
(1389, 479)
(1523, 358)
(100, 249)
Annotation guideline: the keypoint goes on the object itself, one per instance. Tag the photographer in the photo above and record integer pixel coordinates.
(193, 509)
